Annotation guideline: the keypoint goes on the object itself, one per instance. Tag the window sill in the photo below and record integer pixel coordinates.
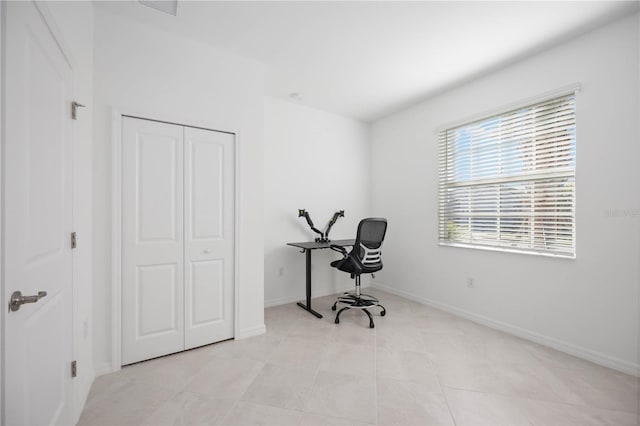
(509, 250)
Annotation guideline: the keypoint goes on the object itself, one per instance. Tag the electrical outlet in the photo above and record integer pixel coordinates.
(471, 282)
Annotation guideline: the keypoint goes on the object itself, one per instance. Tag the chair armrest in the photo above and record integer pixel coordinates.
(339, 249)
(357, 264)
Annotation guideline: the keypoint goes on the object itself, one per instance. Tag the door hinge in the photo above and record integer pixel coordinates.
(74, 368)
(74, 240)
(74, 109)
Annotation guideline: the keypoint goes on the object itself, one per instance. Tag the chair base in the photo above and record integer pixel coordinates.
(358, 301)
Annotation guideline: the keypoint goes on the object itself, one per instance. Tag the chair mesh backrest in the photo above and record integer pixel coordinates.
(369, 240)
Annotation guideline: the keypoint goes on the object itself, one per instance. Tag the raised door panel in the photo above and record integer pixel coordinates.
(44, 378)
(152, 239)
(45, 160)
(206, 184)
(157, 300)
(209, 246)
(207, 287)
(156, 187)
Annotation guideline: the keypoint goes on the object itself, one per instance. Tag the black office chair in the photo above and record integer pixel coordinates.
(364, 258)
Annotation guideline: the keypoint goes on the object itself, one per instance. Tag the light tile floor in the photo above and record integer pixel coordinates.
(419, 366)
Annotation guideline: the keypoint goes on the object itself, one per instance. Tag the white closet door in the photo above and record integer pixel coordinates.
(209, 236)
(152, 239)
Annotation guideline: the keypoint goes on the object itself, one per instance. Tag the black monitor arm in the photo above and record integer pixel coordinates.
(324, 236)
(305, 214)
(335, 217)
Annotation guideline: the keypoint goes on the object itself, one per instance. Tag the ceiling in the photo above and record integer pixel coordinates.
(367, 59)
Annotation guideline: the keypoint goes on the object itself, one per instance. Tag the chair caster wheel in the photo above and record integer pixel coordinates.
(337, 321)
(371, 325)
(383, 313)
(333, 308)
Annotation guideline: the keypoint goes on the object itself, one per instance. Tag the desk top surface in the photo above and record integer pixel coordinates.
(311, 245)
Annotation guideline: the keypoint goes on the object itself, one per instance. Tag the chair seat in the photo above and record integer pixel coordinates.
(345, 265)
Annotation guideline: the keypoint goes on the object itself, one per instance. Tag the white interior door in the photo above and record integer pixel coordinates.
(152, 239)
(209, 236)
(37, 221)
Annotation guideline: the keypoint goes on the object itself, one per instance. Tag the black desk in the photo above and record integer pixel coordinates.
(307, 248)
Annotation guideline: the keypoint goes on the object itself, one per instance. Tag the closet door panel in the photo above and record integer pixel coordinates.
(152, 239)
(157, 297)
(156, 182)
(206, 201)
(207, 288)
(209, 232)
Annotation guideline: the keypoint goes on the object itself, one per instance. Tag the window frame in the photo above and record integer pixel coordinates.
(571, 90)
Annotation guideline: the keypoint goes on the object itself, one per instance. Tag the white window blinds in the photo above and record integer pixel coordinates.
(508, 181)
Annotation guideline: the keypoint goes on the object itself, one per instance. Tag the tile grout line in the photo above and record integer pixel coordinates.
(504, 395)
(444, 395)
(235, 404)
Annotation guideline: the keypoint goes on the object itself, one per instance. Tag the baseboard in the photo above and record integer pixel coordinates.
(569, 348)
(251, 332)
(282, 301)
(291, 299)
(102, 369)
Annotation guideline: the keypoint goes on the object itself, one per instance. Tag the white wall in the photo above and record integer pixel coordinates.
(588, 306)
(142, 69)
(320, 162)
(75, 23)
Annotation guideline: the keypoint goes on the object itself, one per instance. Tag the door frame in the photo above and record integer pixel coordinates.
(48, 18)
(117, 115)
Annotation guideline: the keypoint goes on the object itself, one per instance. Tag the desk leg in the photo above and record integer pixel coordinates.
(307, 307)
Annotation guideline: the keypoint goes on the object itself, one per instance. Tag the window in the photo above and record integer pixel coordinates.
(508, 181)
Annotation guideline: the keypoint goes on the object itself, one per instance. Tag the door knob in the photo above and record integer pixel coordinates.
(17, 299)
